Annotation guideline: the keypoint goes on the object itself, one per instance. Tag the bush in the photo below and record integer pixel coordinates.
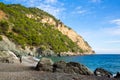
(4, 27)
(1, 38)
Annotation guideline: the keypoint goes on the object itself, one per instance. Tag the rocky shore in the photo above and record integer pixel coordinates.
(45, 69)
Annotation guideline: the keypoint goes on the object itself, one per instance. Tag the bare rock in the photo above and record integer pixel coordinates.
(102, 72)
(76, 68)
(71, 67)
(45, 64)
(7, 57)
(117, 75)
(59, 66)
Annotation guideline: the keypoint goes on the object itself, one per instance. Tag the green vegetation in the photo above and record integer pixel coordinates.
(1, 38)
(3, 27)
(27, 31)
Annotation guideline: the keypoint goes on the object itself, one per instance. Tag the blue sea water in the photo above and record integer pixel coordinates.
(110, 62)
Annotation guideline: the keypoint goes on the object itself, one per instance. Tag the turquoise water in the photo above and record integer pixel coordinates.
(110, 62)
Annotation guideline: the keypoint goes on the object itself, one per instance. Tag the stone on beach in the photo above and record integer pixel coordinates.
(117, 75)
(102, 72)
(46, 64)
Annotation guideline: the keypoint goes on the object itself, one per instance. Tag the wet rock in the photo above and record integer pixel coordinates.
(102, 72)
(117, 75)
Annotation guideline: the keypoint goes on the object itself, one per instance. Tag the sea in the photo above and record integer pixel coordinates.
(110, 62)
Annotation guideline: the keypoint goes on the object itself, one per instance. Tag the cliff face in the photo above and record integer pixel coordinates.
(33, 31)
(76, 38)
(70, 33)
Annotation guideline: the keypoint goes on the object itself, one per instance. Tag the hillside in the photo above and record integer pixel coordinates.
(33, 31)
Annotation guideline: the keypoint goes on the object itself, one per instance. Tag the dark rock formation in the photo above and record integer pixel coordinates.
(45, 64)
(102, 72)
(117, 75)
(72, 67)
(59, 66)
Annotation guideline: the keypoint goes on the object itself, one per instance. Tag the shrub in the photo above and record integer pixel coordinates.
(4, 26)
(1, 38)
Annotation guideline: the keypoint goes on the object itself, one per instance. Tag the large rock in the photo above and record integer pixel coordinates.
(7, 57)
(117, 75)
(59, 66)
(48, 52)
(71, 67)
(45, 64)
(76, 68)
(102, 72)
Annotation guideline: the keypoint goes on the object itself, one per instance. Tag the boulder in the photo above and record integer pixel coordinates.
(76, 68)
(48, 52)
(8, 57)
(59, 66)
(71, 67)
(45, 64)
(102, 72)
(117, 75)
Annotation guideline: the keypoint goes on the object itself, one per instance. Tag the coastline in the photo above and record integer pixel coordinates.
(25, 71)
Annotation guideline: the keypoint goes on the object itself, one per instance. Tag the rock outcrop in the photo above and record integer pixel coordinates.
(62, 67)
(7, 57)
(117, 75)
(76, 38)
(102, 72)
(66, 31)
(70, 33)
(45, 64)
(2, 15)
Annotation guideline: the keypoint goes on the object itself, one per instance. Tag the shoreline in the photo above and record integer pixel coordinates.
(26, 71)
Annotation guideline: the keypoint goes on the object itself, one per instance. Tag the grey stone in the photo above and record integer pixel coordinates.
(77, 68)
(45, 64)
(71, 67)
(117, 75)
(102, 72)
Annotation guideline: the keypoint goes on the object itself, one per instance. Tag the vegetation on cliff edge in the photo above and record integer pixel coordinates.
(26, 31)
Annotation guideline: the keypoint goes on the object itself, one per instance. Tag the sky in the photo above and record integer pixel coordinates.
(97, 21)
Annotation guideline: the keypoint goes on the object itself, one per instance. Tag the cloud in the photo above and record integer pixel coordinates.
(115, 21)
(50, 6)
(56, 11)
(115, 30)
(79, 10)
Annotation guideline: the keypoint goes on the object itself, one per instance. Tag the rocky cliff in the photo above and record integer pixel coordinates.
(70, 33)
(33, 31)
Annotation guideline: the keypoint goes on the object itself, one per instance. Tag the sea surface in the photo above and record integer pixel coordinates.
(110, 62)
